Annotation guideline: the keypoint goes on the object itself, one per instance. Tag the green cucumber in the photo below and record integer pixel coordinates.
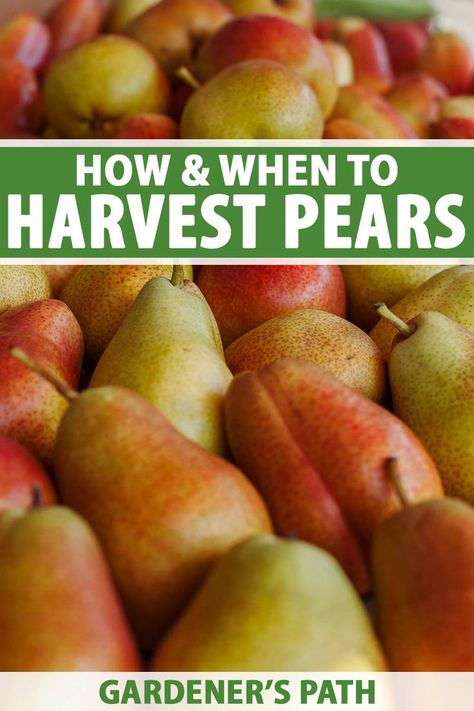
(394, 10)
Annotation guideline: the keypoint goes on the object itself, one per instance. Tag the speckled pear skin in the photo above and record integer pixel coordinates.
(450, 292)
(387, 283)
(59, 275)
(163, 508)
(255, 99)
(30, 408)
(168, 349)
(20, 475)
(60, 611)
(331, 342)
(423, 567)
(319, 458)
(285, 606)
(22, 285)
(431, 377)
(101, 297)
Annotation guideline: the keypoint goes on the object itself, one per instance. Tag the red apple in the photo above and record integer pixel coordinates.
(27, 39)
(243, 297)
(22, 477)
(276, 39)
(149, 126)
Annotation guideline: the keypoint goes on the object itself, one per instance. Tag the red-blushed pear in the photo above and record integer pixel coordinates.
(346, 130)
(406, 43)
(25, 38)
(21, 475)
(331, 342)
(90, 90)
(371, 111)
(456, 118)
(30, 408)
(163, 508)
(59, 275)
(301, 12)
(20, 104)
(317, 451)
(370, 58)
(122, 12)
(274, 38)
(73, 22)
(273, 103)
(173, 30)
(449, 60)
(341, 62)
(423, 571)
(243, 297)
(60, 611)
(417, 97)
(149, 127)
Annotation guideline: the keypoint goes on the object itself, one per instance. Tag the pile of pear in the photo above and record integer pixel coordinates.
(269, 468)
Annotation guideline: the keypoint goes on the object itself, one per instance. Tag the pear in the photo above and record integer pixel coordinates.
(423, 568)
(21, 285)
(169, 350)
(163, 508)
(451, 292)
(431, 369)
(367, 284)
(60, 611)
(101, 296)
(59, 275)
(30, 409)
(122, 12)
(318, 452)
(273, 605)
(20, 475)
(331, 342)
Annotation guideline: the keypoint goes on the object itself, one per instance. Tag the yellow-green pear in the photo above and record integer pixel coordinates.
(122, 12)
(169, 350)
(21, 285)
(367, 284)
(451, 292)
(273, 605)
(431, 374)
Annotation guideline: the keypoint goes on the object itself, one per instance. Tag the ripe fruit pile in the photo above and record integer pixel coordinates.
(229, 69)
(202, 509)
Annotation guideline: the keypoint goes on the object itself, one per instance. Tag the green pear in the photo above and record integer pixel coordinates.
(273, 605)
(169, 350)
(451, 292)
(59, 608)
(254, 99)
(368, 283)
(431, 372)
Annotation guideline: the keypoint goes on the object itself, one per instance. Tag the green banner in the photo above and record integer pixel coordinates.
(247, 202)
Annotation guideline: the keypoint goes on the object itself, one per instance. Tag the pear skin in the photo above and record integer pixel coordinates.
(451, 292)
(431, 374)
(163, 508)
(367, 284)
(318, 453)
(423, 568)
(21, 285)
(60, 611)
(20, 476)
(168, 349)
(273, 605)
(331, 342)
(59, 275)
(30, 408)
(101, 296)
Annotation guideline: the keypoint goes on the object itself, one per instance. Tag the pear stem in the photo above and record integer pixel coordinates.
(36, 498)
(177, 277)
(61, 386)
(405, 329)
(187, 77)
(394, 474)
